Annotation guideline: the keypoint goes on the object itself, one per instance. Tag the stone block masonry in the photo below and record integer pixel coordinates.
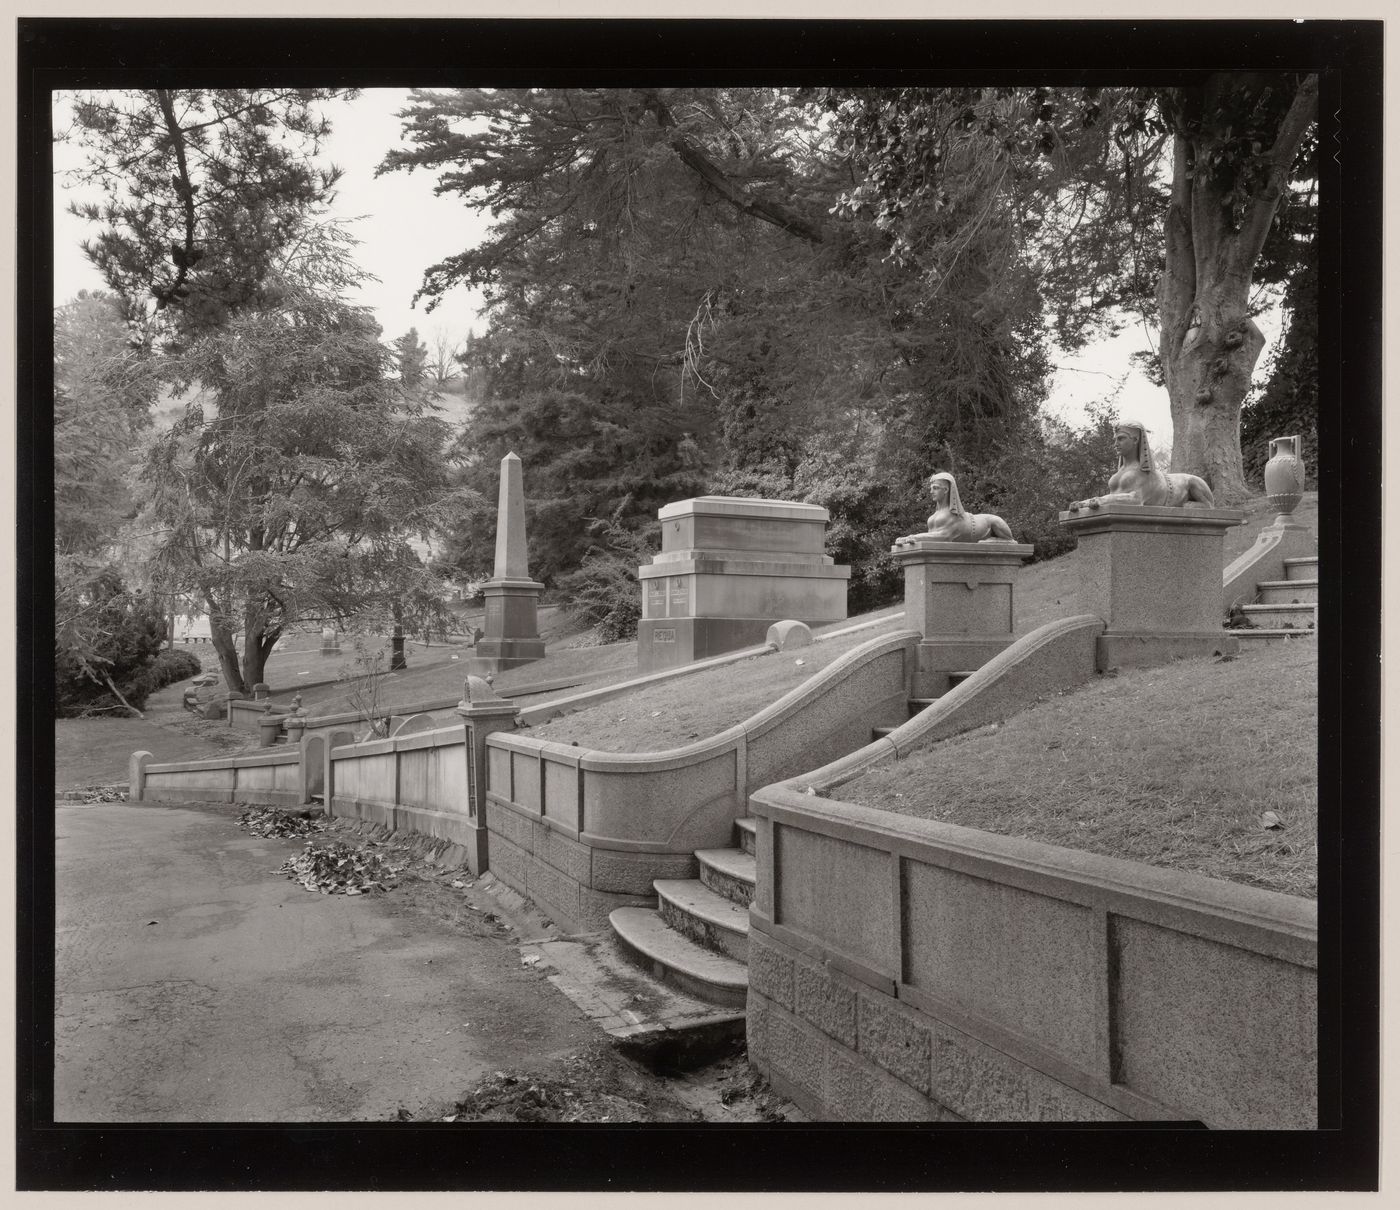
(944, 973)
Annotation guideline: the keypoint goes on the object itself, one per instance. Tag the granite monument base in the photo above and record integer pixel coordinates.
(670, 642)
(512, 633)
(1155, 576)
(962, 597)
(728, 569)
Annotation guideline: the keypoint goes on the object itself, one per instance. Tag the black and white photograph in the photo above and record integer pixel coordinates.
(714, 605)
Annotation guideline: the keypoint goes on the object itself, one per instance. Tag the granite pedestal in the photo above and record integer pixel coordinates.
(1154, 575)
(962, 597)
(729, 568)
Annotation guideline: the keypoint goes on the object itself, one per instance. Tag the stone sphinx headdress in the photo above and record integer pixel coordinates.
(1144, 453)
(954, 500)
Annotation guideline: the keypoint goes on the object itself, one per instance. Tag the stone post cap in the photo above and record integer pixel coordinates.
(744, 506)
(479, 698)
(924, 548)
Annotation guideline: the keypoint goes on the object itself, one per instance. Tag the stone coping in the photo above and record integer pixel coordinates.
(287, 754)
(764, 720)
(743, 506)
(943, 713)
(1266, 922)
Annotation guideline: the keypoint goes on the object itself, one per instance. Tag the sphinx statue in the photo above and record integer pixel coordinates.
(1138, 481)
(950, 522)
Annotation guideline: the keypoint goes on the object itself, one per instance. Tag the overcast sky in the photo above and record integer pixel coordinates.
(404, 228)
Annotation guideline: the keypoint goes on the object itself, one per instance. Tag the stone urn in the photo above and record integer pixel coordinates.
(269, 728)
(1283, 474)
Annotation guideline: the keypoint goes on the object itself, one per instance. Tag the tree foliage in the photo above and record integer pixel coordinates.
(103, 389)
(290, 488)
(688, 290)
(205, 193)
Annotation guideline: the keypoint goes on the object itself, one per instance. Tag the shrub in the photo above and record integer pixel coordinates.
(605, 591)
(171, 666)
(121, 634)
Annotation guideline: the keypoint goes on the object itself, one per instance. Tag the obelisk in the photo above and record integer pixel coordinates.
(512, 627)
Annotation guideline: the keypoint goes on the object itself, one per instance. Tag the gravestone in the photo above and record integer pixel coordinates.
(512, 633)
(330, 641)
(729, 568)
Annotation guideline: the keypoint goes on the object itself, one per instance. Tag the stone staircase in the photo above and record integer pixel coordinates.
(697, 937)
(1287, 608)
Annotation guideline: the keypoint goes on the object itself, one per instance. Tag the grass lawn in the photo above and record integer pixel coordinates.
(1172, 766)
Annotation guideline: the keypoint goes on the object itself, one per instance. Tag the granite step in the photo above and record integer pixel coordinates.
(704, 915)
(747, 832)
(679, 961)
(1288, 592)
(728, 872)
(1271, 636)
(1281, 616)
(1302, 568)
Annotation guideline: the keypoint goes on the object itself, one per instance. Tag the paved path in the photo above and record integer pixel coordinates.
(194, 984)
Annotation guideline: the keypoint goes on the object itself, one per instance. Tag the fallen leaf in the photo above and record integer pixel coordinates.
(1271, 821)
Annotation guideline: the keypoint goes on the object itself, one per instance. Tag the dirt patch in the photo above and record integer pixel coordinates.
(599, 1084)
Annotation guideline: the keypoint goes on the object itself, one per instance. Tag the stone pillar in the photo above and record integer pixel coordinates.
(311, 773)
(397, 662)
(512, 633)
(484, 712)
(136, 776)
(961, 596)
(336, 739)
(729, 568)
(1155, 576)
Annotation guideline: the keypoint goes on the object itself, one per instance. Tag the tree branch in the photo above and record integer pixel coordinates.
(695, 159)
(1301, 114)
(185, 189)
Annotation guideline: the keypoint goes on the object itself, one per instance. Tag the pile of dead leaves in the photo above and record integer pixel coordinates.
(269, 821)
(96, 794)
(339, 869)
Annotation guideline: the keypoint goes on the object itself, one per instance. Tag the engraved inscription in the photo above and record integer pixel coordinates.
(668, 635)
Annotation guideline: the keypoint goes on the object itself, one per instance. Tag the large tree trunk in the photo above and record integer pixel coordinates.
(258, 643)
(221, 635)
(1209, 343)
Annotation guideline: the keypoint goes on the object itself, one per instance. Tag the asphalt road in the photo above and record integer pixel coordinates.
(194, 984)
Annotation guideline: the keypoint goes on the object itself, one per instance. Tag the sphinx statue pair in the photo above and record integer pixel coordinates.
(1136, 481)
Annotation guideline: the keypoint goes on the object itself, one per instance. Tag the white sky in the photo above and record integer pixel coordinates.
(404, 228)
